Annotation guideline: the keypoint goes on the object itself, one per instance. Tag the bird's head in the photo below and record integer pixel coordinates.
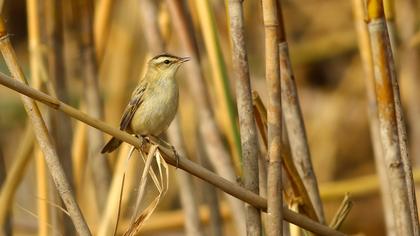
(167, 63)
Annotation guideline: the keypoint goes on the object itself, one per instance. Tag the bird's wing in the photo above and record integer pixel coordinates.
(135, 101)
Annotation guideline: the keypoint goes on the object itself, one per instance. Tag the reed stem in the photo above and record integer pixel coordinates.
(44, 140)
(6, 228)
(182, 163)
(372, 108)
(295, 124)
(224, 99)
(248, 130)
(274, 118)
(15, 173)
(392, 126)
(208, 130)
(99, 164)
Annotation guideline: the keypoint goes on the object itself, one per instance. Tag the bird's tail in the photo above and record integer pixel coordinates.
(111, 145)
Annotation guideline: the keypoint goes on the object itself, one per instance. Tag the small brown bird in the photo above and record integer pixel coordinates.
(154, 102)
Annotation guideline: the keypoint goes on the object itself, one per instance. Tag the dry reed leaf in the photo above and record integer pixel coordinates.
(130, 153)
(161, 183)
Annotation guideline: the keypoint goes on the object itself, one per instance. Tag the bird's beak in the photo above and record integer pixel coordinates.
(184, 59)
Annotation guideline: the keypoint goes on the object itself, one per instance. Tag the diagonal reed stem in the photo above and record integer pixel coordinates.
(294, 122)
(44, 140)
(181, 162)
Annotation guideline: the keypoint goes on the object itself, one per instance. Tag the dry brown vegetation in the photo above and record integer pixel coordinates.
(305, 110)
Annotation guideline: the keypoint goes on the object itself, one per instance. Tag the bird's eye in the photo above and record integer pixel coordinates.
(166, 61)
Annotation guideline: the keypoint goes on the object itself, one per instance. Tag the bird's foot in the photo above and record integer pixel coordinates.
(167, 145)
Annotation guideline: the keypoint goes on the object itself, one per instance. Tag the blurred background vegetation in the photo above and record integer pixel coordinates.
(328, 72)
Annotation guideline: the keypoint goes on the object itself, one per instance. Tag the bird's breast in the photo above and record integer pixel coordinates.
(158, 108)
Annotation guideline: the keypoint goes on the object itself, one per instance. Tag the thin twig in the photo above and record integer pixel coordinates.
(167, 153)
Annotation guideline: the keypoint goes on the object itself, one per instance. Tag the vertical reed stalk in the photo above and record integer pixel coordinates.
(294, 122)
(391, 124)
(38, 72)
(62, 130)
(402, 128)
(274, 118)
(209, 193)
(59, 124)
(372, 108)
(248, 130)
(151, 28)
(15, 173)
(41, 133)
(218, 155)
(102, 22)
(224, 99)
(409, 72)
(6, 228)
(79, 154)
(389, 11)
(122, 38)
(99, 164)
(187, 193)
(42, 187)
(109, 215)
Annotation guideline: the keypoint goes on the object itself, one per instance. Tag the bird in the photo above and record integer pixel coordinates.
(154, 102)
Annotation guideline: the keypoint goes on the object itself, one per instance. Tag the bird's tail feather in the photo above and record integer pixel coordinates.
(111, 145)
